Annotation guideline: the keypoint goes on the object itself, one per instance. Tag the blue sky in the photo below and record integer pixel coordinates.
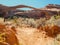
(34, 3)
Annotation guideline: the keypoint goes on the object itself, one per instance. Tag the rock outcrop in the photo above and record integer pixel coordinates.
(47, 11)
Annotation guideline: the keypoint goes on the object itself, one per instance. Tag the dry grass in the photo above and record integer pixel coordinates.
(29, 31)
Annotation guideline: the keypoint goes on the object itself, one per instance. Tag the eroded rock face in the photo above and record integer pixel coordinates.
(8, 36)
(35, 13)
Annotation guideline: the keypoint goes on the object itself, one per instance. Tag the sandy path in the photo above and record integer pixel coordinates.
(31, 36)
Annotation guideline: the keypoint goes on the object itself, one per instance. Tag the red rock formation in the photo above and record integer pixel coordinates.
(6, 11)
(9, 36)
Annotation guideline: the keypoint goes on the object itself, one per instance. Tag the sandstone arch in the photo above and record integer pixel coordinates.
(5, 9)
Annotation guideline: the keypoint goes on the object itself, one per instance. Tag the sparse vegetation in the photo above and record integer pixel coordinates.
(29, 27)
(49, 26)
(29, 22)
